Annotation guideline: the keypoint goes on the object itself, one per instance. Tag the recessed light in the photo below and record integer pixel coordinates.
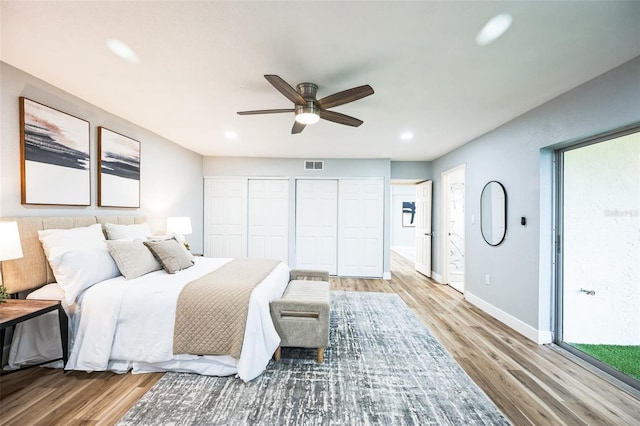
(122, 50)
(406, 136)
(494, 29)
(231, 135)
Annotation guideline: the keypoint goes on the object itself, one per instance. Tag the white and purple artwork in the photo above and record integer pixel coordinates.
(55, 167)
(119, 171)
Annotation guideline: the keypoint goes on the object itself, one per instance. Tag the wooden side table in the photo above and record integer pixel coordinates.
(15, 311)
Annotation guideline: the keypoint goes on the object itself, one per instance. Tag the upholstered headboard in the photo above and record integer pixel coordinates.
(32, 270)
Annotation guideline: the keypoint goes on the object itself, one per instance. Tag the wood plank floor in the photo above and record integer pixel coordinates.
(532, 384)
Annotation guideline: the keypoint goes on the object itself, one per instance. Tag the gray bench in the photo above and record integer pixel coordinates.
(301, 316)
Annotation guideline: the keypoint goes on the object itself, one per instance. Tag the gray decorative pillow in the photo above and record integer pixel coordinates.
(171, 254)
(133, 258)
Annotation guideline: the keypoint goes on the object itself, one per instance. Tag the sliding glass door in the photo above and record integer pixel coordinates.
(598, 312)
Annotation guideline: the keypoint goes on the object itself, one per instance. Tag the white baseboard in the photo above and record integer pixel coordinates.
(386, 275)
(436, 277)
(539, 336)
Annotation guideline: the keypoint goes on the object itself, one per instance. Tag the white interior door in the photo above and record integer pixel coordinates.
(225, 217)
(423, 227)
(269, 219)
(360, 227)
(453, 182)
(317, 224)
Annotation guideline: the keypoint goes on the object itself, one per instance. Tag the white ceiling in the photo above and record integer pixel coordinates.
(200, 62)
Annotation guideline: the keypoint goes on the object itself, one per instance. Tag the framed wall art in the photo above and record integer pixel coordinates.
(408, 213)
(118, 170)
(55, 166)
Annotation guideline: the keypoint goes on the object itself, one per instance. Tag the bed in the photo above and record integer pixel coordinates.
(127, 322)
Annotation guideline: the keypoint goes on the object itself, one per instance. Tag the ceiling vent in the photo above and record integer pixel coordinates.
(313, 165)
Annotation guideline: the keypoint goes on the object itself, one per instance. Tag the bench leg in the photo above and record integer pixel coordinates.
(276, 356)
(320, 355)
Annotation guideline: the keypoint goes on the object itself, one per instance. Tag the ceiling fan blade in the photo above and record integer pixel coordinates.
(297, 128)
(345, 96)
(286, 89)
(265, 111)
(339, 118)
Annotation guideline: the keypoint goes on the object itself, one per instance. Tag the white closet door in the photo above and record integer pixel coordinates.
(360, 228)
(225, 217)
(317, 224)
(269, 219)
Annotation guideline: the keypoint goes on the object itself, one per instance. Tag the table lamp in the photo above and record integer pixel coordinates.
(179, 226)
(10, 247)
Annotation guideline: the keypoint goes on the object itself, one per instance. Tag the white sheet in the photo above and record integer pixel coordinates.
(128, 325)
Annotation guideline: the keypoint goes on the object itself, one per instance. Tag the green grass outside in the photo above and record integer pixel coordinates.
(622, 358)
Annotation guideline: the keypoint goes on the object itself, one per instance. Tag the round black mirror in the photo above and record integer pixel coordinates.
(493, 213)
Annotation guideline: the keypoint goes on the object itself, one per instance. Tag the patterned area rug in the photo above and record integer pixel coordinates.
(383, 368)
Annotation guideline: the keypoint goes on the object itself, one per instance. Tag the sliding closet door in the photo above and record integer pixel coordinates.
(360, 229)
(317, 224)
(225, 217)
(269, 219)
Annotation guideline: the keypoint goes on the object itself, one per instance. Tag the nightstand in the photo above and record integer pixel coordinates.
(14, 311)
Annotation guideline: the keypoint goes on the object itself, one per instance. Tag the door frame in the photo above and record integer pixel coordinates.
(444, 225)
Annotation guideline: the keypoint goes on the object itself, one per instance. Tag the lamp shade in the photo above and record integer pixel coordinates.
(10, 247)
(179, 225)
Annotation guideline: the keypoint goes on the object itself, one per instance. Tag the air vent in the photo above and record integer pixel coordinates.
(313, 165)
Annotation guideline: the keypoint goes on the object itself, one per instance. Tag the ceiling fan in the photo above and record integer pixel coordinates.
(308, 109)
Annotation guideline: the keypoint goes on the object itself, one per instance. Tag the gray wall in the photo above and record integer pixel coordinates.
(292, 168)
(519, 154)
(411, 170)
(171, 176)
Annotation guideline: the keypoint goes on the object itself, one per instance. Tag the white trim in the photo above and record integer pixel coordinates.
(386, 275)
(539, 336)
(436, 277)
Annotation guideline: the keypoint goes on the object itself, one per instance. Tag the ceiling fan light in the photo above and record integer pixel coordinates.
(307, 118)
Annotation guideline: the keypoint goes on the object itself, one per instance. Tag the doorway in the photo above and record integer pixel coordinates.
(453, 229)
(598, 247)
(403, 225)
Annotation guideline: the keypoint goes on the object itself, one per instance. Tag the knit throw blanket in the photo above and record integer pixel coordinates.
(211, 313)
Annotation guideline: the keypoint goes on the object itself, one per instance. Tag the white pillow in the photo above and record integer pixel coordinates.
(52, 291)
(133, 258)
(78, 257)
(117, 232)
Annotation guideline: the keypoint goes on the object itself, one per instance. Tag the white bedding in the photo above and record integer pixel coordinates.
(128, 325)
